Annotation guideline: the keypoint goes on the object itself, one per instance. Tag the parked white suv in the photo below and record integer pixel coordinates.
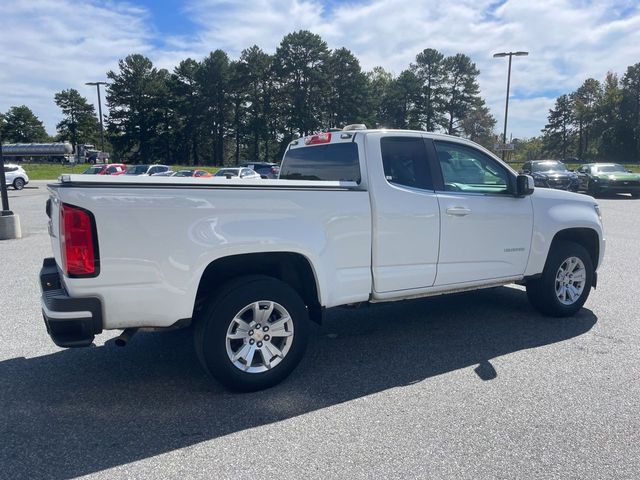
(15, 176)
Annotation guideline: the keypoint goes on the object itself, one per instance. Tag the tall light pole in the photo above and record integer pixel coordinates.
(97, 85)
(506, 106)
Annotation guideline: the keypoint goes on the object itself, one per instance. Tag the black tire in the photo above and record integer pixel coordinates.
(542, 291)
(591, 189)
(222, 307)
(18, 183)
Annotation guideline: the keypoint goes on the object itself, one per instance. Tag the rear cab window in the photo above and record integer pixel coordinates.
(328, 162)
(405, 162)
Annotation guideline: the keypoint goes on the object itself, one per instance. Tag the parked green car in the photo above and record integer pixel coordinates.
(602, 178)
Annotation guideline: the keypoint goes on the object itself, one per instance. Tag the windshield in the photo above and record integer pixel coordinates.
(610, 169)
(93, 171)
(549, 167)
(225, 172)
(137, 170)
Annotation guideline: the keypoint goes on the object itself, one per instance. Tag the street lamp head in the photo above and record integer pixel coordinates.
(93, 84)
(510, 54)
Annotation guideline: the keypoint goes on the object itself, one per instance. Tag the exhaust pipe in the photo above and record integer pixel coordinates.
(125, 337)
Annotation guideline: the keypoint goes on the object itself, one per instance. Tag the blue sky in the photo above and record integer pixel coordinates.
(50, 45)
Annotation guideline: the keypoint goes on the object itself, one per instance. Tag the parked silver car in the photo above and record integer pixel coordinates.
(242, 172)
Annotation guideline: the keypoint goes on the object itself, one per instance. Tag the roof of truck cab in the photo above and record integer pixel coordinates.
(335, 135)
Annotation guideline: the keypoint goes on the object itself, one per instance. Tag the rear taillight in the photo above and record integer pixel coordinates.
(79, 242)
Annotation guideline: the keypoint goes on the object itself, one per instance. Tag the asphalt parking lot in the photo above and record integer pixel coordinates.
(469, 386)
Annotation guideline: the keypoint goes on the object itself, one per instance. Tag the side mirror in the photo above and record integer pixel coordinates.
(526, 172)
(629, 171)
(228, 175)
(524, 185)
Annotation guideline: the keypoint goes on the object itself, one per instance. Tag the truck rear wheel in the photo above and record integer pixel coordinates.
(252, 333)
(565, 282)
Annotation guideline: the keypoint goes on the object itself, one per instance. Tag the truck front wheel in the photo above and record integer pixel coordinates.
(252, 333)
(565, 282)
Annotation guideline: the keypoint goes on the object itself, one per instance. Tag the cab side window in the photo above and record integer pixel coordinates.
(405, 162)
(465, 169)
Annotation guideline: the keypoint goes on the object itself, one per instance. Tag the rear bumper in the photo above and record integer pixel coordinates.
(71, 322)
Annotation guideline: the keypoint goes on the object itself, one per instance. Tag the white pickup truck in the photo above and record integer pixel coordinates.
(356, 216)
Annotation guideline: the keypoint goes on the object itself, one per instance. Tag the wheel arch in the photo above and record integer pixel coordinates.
(587, 237)
(292, 268)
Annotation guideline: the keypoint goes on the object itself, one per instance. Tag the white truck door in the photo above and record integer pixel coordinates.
(405, 213)
(485, 230)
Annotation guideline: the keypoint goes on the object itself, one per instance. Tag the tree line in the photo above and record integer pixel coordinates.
(598, 121)
(219, 111)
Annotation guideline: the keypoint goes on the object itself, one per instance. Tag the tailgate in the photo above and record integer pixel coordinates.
(53, 212)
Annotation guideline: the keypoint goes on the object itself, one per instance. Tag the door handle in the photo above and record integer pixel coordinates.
(458, 211)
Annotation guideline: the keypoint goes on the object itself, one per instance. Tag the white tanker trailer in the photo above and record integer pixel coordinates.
(55, 152)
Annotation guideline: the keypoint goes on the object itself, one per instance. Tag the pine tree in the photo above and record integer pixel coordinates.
(137, 98)
(347, 102)
(631, 108)
(301, 64)
(80, 124)
(558, 133)
(213, 81)
(430, 70)
(461, 91)
(22, 126)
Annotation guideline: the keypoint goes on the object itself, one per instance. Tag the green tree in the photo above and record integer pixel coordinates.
(528, 149)
(558, 133)
(254, 71)
(379, 83)
(188, 112)
(479, 125)
(609, 127)
(585, 101)
(80, 124)
(430, 70)
(138, 110)
(631, 109)
(401, 102)
(461, 91)
(214, 84)
(347, 102)
(301, 66)
(22, 126)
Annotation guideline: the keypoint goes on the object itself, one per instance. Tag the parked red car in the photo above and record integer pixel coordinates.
(106, 169)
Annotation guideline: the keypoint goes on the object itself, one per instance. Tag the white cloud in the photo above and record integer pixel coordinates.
(50, 45)
(53, 45)
(568, 41)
